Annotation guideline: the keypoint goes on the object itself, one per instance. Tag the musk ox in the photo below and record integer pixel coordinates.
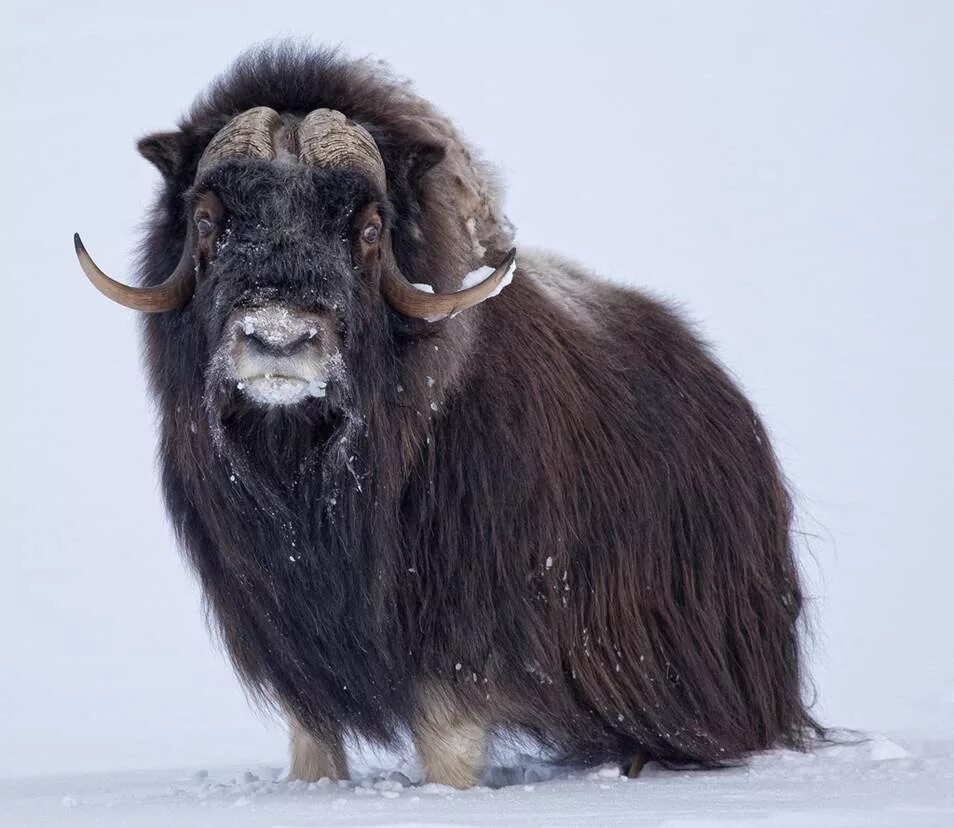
(416, 507)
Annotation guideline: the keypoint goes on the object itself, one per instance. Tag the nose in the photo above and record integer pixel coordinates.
(280, 331)
(267, 345)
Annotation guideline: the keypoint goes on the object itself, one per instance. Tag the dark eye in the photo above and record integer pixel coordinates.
(371, 233)
(203, 223)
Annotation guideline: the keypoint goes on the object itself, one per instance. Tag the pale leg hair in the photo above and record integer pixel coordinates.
(313, 758)
(451, 744)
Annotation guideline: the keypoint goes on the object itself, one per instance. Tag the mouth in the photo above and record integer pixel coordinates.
(279, 356)
(281, 389)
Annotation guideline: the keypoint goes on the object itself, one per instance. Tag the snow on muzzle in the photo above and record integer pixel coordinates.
(278, 355)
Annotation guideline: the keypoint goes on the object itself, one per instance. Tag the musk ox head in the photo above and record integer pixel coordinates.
(289, 257)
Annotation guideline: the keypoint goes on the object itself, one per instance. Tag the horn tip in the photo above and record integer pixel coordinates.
(79, 247)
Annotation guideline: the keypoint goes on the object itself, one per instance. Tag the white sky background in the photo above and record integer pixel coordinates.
(786, 172)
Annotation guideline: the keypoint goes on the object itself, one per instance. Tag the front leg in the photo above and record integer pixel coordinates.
(313, 758)
(451, 744)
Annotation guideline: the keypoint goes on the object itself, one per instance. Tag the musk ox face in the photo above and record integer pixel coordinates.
(286, 258)
(287, 255)
(297, 194)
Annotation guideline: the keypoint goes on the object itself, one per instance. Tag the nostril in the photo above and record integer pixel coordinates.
(269, 346)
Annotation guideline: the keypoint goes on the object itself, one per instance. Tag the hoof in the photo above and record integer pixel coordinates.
(636, 765)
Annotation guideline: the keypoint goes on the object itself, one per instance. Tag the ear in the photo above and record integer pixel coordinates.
(167, 150)
(420, 159)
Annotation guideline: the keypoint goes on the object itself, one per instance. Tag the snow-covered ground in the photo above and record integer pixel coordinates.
(877, 782)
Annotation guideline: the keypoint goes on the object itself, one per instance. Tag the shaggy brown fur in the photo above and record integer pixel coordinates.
(556, 511)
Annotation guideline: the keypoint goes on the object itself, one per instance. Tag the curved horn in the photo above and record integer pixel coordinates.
(409, 300)
(173, 293)
(328, 139)
(248, 135)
